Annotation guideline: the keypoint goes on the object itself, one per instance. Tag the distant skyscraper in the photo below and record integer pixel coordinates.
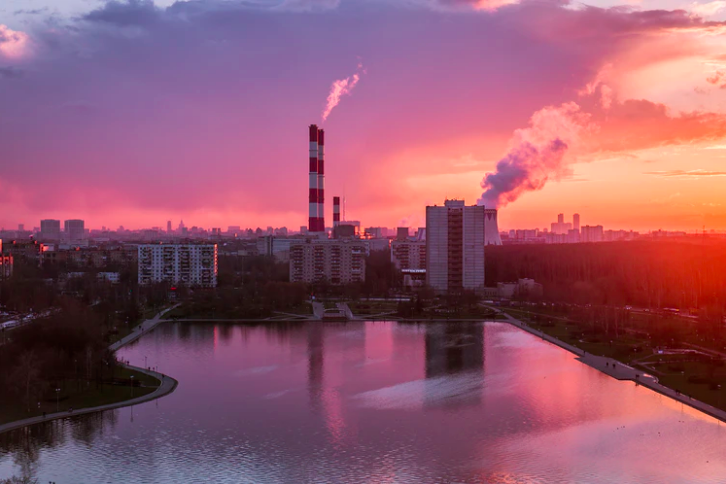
(74, 230)
(560, 227)
(168, 226)
(576, 222)
(50, 229)
(21, 227)
(455, 241)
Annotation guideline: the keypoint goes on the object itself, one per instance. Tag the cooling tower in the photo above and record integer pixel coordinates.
(491, 227)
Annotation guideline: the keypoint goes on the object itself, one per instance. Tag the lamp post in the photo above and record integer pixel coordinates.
(145, 362)
(57, 407)
(132, 386)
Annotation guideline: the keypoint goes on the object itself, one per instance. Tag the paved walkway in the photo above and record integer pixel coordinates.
(620, 371)
(141, 329)
(167, 386)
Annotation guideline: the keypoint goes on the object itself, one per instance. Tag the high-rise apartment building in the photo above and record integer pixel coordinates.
(74, 230)
(576, 222)
(192, 265)
(50, 230)
(591, 233)
(455, 241)
(337, 261)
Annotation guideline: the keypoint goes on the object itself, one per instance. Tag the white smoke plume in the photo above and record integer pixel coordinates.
(536, 155)
(341, 88)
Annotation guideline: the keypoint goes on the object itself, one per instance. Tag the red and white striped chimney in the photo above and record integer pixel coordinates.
(313, 181)
(321, 180)
(336, 212)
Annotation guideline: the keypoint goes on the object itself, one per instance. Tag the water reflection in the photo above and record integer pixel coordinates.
(373, 402)
(454, 364)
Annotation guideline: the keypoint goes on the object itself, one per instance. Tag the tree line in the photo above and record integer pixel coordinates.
(640, 273)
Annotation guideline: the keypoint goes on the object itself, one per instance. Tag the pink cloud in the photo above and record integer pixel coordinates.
(202, 108)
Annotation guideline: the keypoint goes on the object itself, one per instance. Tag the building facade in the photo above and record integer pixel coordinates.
(335, 261)
(179, 264)
(408, 254)
(74, 230)
(455, 242)
(591, 233)
(6, 264)
(50, 230)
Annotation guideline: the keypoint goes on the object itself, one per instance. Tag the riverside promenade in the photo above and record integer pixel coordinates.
(167, 385)
(618, 370)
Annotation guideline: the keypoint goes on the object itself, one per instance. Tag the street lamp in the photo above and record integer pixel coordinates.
(57, 392)
(145, 362)
(132, 386)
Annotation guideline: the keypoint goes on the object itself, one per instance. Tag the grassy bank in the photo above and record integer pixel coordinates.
(679, 364)
(78, 394)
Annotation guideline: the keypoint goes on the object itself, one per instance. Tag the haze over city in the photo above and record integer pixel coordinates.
(136, 112)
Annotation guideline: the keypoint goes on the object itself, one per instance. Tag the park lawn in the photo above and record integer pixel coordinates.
(93, 396)
(373, 307)
(699, 391)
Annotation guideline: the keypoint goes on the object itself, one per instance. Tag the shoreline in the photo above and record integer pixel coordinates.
(618, 370)
(166, 386)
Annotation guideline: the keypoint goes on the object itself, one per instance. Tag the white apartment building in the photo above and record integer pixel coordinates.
(337, 261)
(455, 241)
(193, 265)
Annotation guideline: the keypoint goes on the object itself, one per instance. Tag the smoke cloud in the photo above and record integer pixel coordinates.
(342, 88)
(536, 155)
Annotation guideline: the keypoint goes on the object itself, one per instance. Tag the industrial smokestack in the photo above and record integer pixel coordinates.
(321, 180)
(336, 212)
(491, 227)
(313, 181)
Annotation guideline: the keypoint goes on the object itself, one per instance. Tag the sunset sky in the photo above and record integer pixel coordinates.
(137, 112)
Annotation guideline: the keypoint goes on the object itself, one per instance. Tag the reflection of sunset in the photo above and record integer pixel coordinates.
(253, 407)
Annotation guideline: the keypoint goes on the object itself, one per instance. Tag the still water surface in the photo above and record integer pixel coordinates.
(374, 403)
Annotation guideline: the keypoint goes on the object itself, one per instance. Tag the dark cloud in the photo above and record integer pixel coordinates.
(10, 73)
(125, 13)
(35, 11)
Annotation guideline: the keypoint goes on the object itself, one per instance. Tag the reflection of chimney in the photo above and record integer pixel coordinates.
(313, 181)
(336, 212)
(321, 181)
(315, 364)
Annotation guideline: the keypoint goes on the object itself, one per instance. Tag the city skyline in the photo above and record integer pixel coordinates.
(628, 138)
